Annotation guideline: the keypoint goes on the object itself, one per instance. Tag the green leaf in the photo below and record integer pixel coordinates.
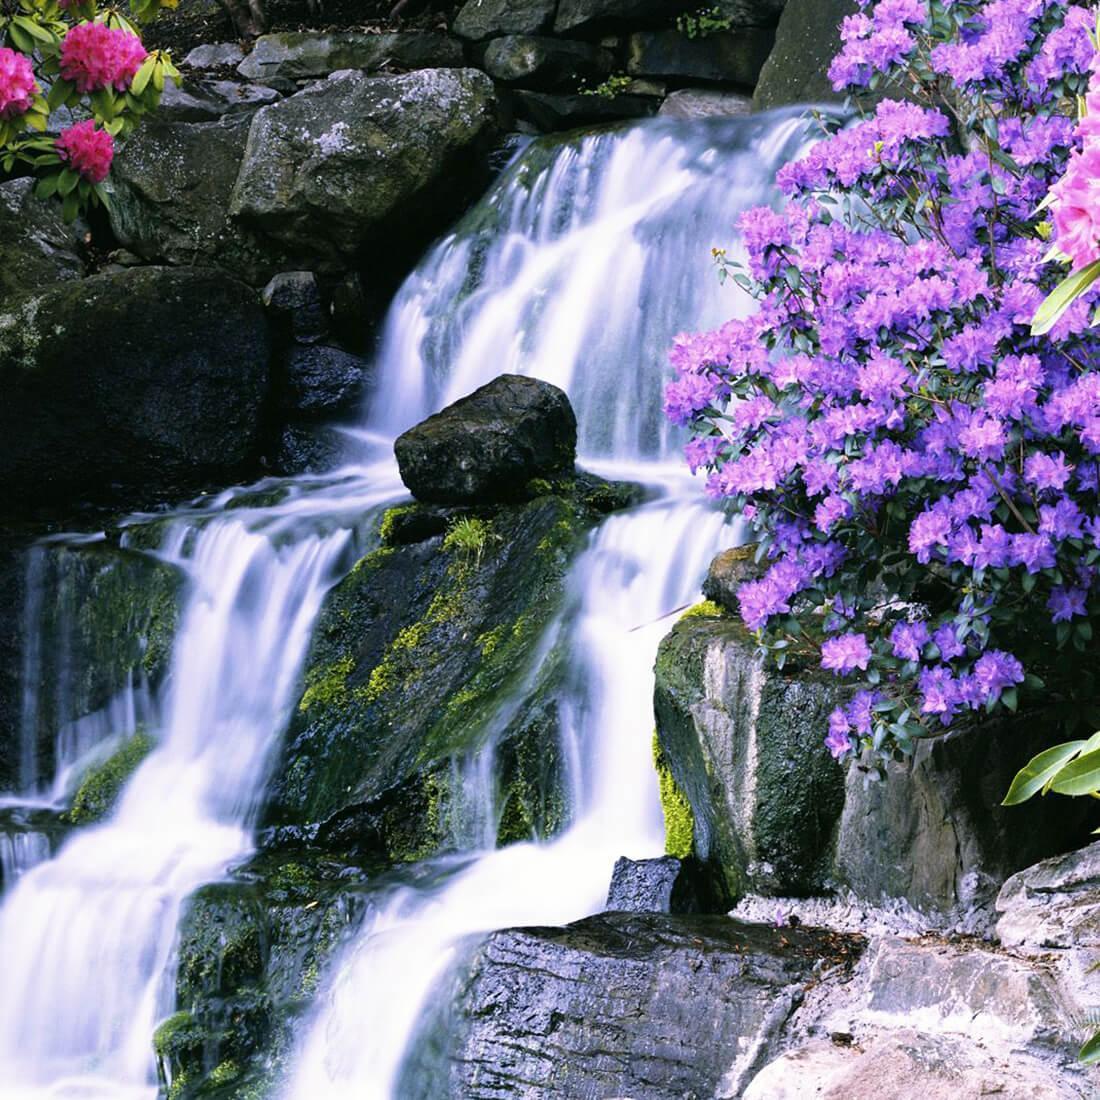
(1062, 297)
(46, 187)
(1039, 771)
(70, 207)
(1080, 776)
(143, 75)
(1090, 1052)
(34, 29)
(59, 92)
(22, 41)
(67, 181)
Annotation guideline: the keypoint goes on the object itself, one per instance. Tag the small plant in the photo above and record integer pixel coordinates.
(469, 536)
(613, 86)
(703, 23)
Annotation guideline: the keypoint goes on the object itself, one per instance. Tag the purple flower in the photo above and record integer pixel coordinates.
(1066, 603)
(908, 639)
(948, 642)
(995, 671)
(838, 741)
(845, 653)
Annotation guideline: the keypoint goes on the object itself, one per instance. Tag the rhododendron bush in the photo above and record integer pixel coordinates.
(71, 60)
(922, 470)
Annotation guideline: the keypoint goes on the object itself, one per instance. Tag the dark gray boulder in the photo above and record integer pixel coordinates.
(665, 885)
(294, 304)
(486, 447)
(546, 63)
(597, 15)
(323, 381)
(732, 57)
(480, 19)
(551, 112)
(806, 41)
(37, 248)
(619, 1005)
(150, 377)
(358, 163)
(728, 572)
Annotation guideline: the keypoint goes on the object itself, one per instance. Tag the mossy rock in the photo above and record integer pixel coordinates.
(98, 792)
(413, 655)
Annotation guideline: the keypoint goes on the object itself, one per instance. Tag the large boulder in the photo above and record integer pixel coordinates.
(619, 1005)
(486, 447)
(151, 377)
(587, 16)
(281, 59)
(171, 185)
(479, 19)
(323, 381)
(356, 163)
(546, 63)
(37, 248)
(732, 57)
(559, 111)
(806, 41)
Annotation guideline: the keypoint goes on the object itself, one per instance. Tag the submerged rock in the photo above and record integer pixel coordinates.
(620, 1005)
(486, 447)
(151, 376)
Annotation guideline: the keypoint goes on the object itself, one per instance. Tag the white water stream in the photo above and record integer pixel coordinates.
(578, 267)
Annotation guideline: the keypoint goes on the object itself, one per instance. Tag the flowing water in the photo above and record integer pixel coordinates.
(578, 267)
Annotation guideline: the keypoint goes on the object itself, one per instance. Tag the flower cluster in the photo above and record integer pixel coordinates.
(95, 56)
(87, 149)
(17, 84)
(923, 473)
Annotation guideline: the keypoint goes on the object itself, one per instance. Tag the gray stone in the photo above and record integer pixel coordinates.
(745, 745)
(150, 377)
(171, 186)
(214, 55)
(309, 449)
(665, 885)
(546, 63)
(595, 15)
(480, 19)
(733, 57)
(487, 446)
(806, 41)
(323, 381)
(357, 161)
(284, 58)
(1055, 903)
(705, 103)
(620, 1005)
(37, 248)
(293, 300)
(728, 572)
(552, 112)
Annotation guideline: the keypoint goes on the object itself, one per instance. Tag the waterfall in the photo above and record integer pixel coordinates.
(578, 267)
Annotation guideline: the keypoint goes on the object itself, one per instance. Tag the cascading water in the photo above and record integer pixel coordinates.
(578, 267)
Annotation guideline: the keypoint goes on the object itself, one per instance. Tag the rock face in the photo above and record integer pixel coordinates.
(546, 63)
(488, 18)
(586, 16)
(323, 381)
(745, 747)
(150, 377)
(734, 57)
(665, 885)
(806, 41)
(36, 247)
(621, 1005)
(486, 447)
(343, 166)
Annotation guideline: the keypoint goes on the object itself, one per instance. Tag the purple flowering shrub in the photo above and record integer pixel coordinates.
(922, 471)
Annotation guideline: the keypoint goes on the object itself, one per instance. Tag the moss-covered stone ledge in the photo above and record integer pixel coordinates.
(434, 648)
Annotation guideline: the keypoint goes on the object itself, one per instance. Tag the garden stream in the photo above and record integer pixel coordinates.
(578, 267)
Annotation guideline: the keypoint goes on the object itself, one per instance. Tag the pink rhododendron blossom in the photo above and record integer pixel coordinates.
(17, 84)
(87, 150)
(1077, 207)
(95, 56)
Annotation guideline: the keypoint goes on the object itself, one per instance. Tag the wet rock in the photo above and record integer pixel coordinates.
(620, 1005)
(357, 162)
(747, 13)
(1055, 903)
(323, 381)
(215, 55)
(208, 100)
(744, 745)
(172, 184)
(728, 57)
(705, 103)
(546, 63)
(37, 248)
(665, 885)
(727, 573)
(551, 112)
(480, 19)
(806, 41)
(592, 16)
(148, 377)
(293, 300)
(486, 447)
(308, 449)
(282, 59)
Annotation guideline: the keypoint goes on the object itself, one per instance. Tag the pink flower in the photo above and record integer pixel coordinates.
(87, 150)
(1077, 208)
(95, 56)
(17, 84)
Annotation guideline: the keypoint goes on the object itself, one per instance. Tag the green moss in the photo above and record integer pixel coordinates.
(679, 820)
(389, 521)
(539, 487)
(491, 639)
(708, 609)
(327, 686)
(168, 1035)
(224, 1072)
(100, 788)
